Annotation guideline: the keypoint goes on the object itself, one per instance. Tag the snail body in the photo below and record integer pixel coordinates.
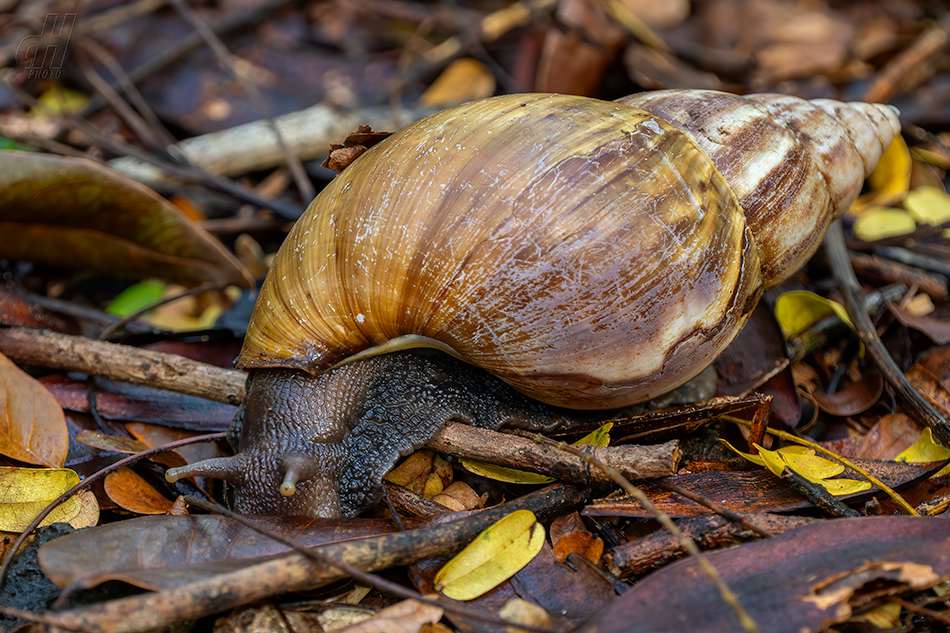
(574, 253)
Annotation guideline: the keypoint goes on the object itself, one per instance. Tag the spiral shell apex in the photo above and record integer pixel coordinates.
(591, 254)
(794, 165)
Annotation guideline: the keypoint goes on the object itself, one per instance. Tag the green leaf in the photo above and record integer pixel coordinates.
(136, 297)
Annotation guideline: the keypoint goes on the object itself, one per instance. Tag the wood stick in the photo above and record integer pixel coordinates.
(896, 272)
(183, 375)
(917, 406)
(254, 146)
(123, 363)
(633, 462)
(294, 572)
(709, 532)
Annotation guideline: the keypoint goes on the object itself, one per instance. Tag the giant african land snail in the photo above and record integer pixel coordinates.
(590, 254)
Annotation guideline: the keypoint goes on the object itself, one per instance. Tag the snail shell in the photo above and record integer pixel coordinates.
(589, 254)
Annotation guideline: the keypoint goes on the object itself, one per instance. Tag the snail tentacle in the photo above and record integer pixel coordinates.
(589, 254)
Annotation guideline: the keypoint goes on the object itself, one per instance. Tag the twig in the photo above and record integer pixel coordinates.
(143, 119)
(917, 406)
(91, 479)
(183, 375)
(252, 147)
(368, 578)
(910, 258)
(293, 572)
(912, 66)
(897, 272)
(189, 43)
(817, 495)
(123, 363)
(100, 22)
(718, 508)
(188, 174)
(930, 613)
(304, 186)
(512, 451)
(638, 557)
(728, 596)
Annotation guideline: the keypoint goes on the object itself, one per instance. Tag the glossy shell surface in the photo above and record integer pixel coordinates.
(588, 253)
(794, 165)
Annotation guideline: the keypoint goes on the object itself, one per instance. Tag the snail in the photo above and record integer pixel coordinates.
(513, 259)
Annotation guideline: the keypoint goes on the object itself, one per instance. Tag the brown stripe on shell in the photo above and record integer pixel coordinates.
(828, 142)
(779, 185)
(652, 236)
(864, 134)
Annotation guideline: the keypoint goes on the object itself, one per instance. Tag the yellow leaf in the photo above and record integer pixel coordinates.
(883, 222)
(798, 310)
(501, 473)
(493, 557)
(928, 205)
(58, 101)
(803, 461)
(930, 157)
(599, 437)
(884, 616)
(840, 487)
(772, 460)
(889, 181)
(464, 79)
(755, 459)
(811, 466)
(25, 492)
(924, 450)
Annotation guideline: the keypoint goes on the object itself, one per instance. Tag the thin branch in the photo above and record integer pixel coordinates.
(727, 594)
(123, 363)
(375, 580)
(293, 572)
(917, 406)
(304, 186)
(91, 479)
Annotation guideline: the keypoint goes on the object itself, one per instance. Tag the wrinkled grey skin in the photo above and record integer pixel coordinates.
(357, 420)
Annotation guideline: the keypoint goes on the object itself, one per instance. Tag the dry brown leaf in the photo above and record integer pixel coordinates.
(130, 491)
(659, 15)
(423, 472)
(806, 579)
(520, 611)
(579, 542)
(459, 496)
(407, 616)
(32, 424)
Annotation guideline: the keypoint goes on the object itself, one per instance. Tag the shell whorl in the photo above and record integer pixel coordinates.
(794, 165)
(586, 252)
